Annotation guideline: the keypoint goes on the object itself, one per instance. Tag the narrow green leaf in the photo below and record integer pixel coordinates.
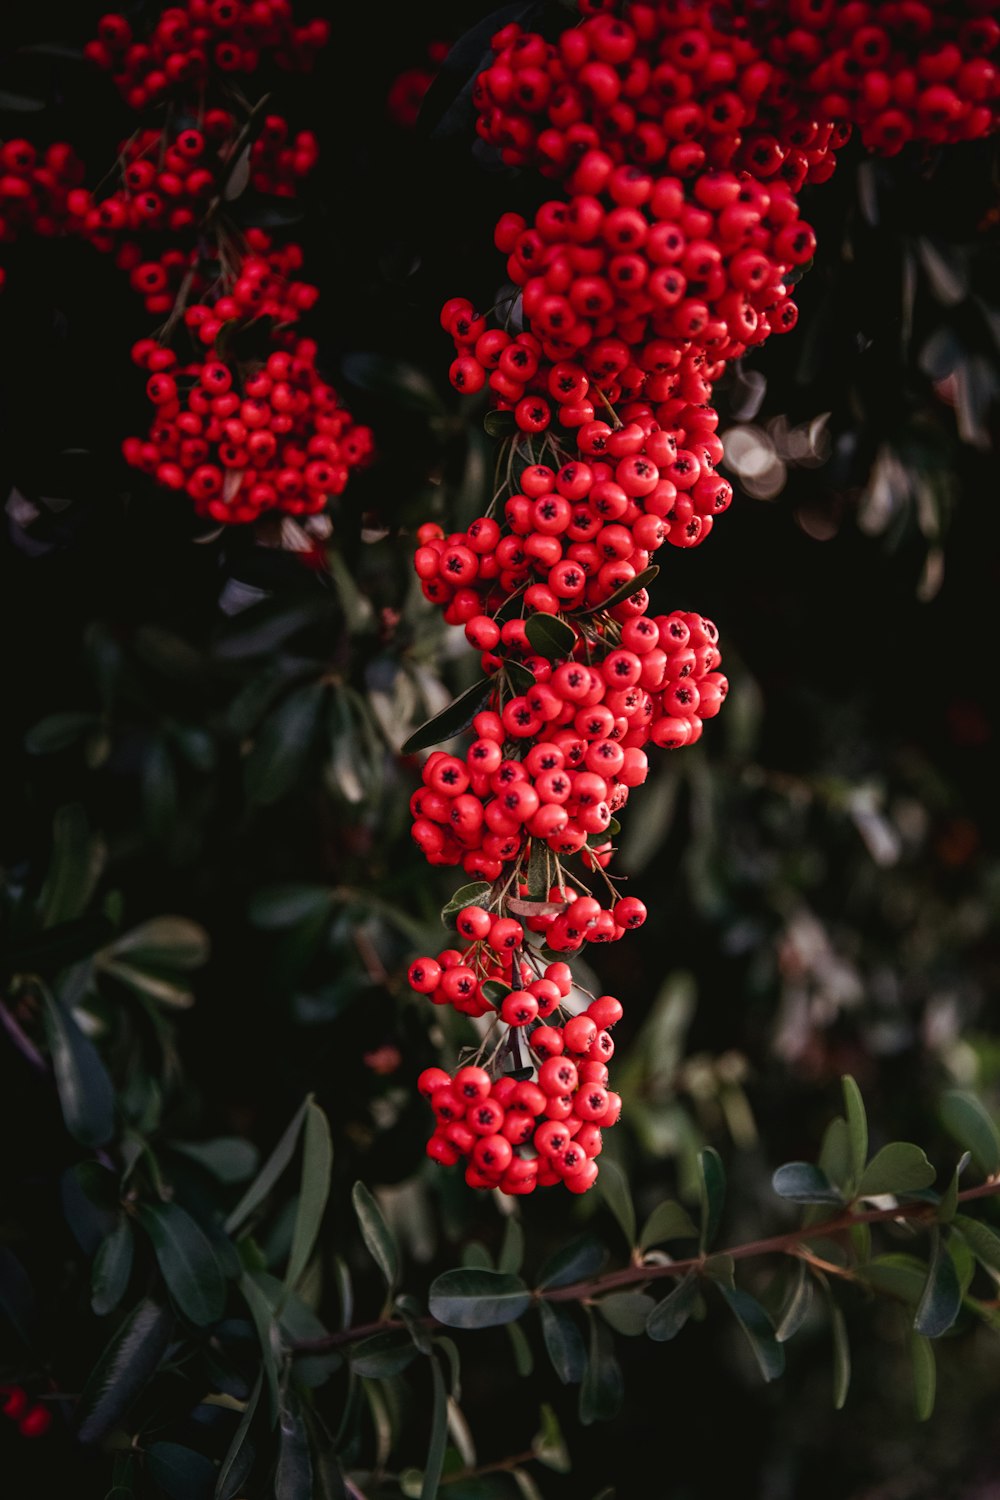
(283, 744)
(577, 1261)
(964, 1117)
(668, 1317)
(77, 862)
(229, 1158)
(524, 1360)
(288, 904)
(668, 1221)
(270, 1172)
(473, 894)
(267, 1336)
(471, 1298)
(175, 942)
(857, 1126)
(112, 1268)
(924, 1375)
(239, 1459)
(796, 1305)
(383, 1354)
(941, 1301)
(640, 581)
(526, 1485)
(451, 720)
(801, 1182)
(602, 1390)
(439, 1435)
(899, 1167)
(902, 1276)
(752, 1318)
(983, 1241)
(294, 1477)
(314, 1188)
(511, 1256)
(125, 1367)
(181, 1473)
(549, 636)
(948, 1206)
(86, 1096)
(613, 1187)
(841, 1356)
(563, 1342)
(376, 1234)
(626, 1312)
(712, 1178)
(549, 1445)
(58, 731)
(187, 1261)
(835, 1156)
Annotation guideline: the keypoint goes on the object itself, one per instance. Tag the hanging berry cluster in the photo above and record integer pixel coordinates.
(241, 434)
(683, 132)
(32, 1420)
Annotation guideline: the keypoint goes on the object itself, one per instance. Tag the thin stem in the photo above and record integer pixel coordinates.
(792, 1242)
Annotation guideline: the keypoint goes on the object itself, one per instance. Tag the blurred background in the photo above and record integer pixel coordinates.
(209, 725)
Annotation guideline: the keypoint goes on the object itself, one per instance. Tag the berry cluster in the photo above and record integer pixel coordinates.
(407, 90)
(282, 442)
(191, 42)
(32, 1419)
(682, 134)
(516, 1134)
(239, 435)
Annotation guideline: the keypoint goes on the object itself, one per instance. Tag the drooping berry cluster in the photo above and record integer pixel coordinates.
(240, 433)
(682, 132)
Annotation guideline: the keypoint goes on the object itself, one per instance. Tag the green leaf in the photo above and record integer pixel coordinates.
(712, 1178)
(112, 1268)
(270, 1172)
(402, 384)
(613, 1187)
(924, 1375)
(901, 1276)
(229, 1158)
(835, 1152)
(511, 1255)
(640, 581)
(86, 1096)
(499, 424)
(752, 1318)
(21, 104)
(186, 1258)
(283, 744)
(175, 942)
(948, 1206)
(268, 1336)
(549, 636)
(668, 1317)
(981, 1240)
(801, 1182)
(294, 1477)
(857, 1126)
(125, 1367)
(314, 1188)
(473, 894)
(471, 1298)
(58, 731)
(796, 1304)
(668, 1221)
(77, 861)
(898, 1168)
(180, 1472)
(563, 1342)
(383, 1354)
(376, 1235)
(841, 1356)
(582, 1258)
(439, 1436)
(964, 1117)
(602, 1390)
(239, 1459)
(458, 715)
(524, 1360)
(626, 1312)
(941, 1301)
(549, 1446)
(262, 628)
